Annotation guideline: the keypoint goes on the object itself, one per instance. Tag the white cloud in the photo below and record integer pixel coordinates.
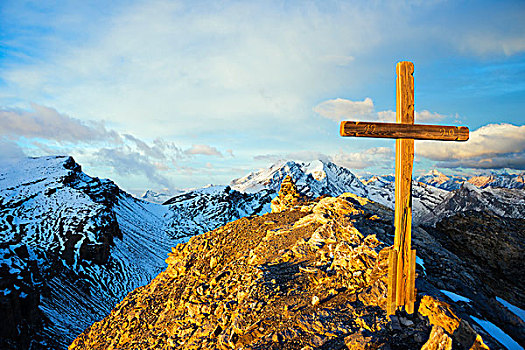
(45, 131)
(387, 116)
(158, 150)
(352, 160)
(194, 67)
(491, 146)
(514, 161)
(340, 109)
(492, 139)
(10, 152)
(45, 122)
(203, 150)
(426, 116)
(127, 162)
(490, 42)
(360, 160)
(210, 66)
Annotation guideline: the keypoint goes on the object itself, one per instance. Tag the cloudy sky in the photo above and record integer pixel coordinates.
(178, 94)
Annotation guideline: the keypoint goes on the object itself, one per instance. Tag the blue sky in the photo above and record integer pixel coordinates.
(177, 94)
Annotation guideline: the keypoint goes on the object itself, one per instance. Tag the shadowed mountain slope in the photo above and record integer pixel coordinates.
(71, 247)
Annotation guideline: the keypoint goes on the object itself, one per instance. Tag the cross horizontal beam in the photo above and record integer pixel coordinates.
(404, 131)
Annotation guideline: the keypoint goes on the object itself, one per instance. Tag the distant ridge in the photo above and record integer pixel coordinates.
(312, 179)
(158, 197)
(454, 182)
(319, 178)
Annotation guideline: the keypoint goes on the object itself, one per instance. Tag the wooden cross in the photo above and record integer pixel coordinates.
(402, 259)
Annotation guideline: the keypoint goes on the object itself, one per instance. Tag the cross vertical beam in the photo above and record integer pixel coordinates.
(399, 284)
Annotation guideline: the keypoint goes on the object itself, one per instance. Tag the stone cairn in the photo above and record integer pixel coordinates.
(288, 198)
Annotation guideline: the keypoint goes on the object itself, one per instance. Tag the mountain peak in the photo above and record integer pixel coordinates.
(158, 197)
(437, 176)
(313, 179)
(435, 172)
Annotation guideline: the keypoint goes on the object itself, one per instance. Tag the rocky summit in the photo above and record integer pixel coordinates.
(309, 275)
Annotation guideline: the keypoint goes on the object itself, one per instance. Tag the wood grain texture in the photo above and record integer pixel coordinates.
(404, 131)
(403, 184)
(405, 92)
(391, 282)
(411, 283)
(403, 214)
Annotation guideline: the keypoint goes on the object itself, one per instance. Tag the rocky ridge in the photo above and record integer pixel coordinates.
(501, 202)
(71, 247)
(310, 275)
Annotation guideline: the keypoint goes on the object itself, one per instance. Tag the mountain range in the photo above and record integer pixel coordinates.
(72, 246)
(312, 274)
(454, 182)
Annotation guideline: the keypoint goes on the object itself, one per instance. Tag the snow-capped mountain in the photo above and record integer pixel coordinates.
(312, 179)
(440, 180)
(499, 180)
(503, 202)
(325, 178)
(469, 273)
(381, 189)
(454, 182)
(72, 246)
(158, 197)
(205, 209)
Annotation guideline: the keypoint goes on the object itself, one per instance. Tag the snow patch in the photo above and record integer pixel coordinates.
(455, 297)
(498, 334)
(513, 308)
(422, 263)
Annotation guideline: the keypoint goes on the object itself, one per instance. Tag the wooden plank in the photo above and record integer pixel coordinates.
(403, 184)
(405, 92)
(403, 213)
(411, 284)
(391, 304)
(404, 131)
